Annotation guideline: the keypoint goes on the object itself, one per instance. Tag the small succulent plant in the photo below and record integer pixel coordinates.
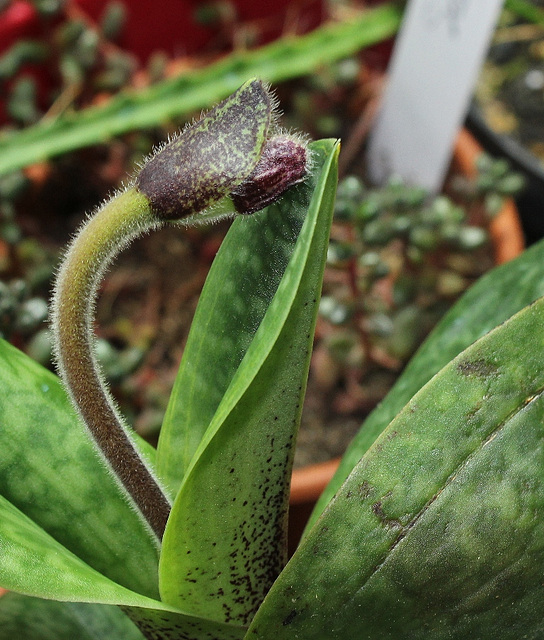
(402, 257)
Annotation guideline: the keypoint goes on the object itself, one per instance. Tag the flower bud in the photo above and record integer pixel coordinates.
(211, 158)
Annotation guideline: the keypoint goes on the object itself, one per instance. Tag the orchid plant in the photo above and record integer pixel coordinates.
(433, 525)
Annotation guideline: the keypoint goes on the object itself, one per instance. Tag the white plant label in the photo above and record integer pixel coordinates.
(435, 64)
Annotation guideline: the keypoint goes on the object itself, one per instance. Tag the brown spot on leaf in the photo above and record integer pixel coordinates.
(479, 368)
(388, 522)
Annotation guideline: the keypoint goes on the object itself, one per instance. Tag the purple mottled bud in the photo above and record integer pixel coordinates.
(284, 162)
(210, 158)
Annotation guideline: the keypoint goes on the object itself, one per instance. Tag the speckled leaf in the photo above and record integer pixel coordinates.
(439, 530)
(164, 625)
(49, 469)
(34, 564)
(242, 281)
(492, 300)
(225, 540)
(27, 618)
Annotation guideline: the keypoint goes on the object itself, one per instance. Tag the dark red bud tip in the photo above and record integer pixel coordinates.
(284, 162)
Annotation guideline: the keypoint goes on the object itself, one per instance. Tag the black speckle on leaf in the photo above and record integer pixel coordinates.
(289, 618)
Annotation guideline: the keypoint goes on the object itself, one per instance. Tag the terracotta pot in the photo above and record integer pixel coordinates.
(308, 482)
(506, 230)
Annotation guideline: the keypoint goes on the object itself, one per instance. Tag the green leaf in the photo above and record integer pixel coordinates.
(51, 471)
(241, 284)
(493, 299)
(225, 540)
(35, 564)
(26, 618)
(439, 530)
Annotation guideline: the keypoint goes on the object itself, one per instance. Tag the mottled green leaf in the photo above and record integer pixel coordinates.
(49, 469)
(493, 299)
(27, 618)
(34, 563)
(242, 281)
(439, 530)
(225, 540)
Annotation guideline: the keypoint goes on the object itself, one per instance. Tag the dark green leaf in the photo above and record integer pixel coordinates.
(225, 540)
(439, 530)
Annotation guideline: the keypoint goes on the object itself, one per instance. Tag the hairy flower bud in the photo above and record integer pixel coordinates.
(211, 158)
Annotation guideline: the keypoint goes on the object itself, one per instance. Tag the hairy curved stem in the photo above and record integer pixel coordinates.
(120, 220)
(223, 164)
